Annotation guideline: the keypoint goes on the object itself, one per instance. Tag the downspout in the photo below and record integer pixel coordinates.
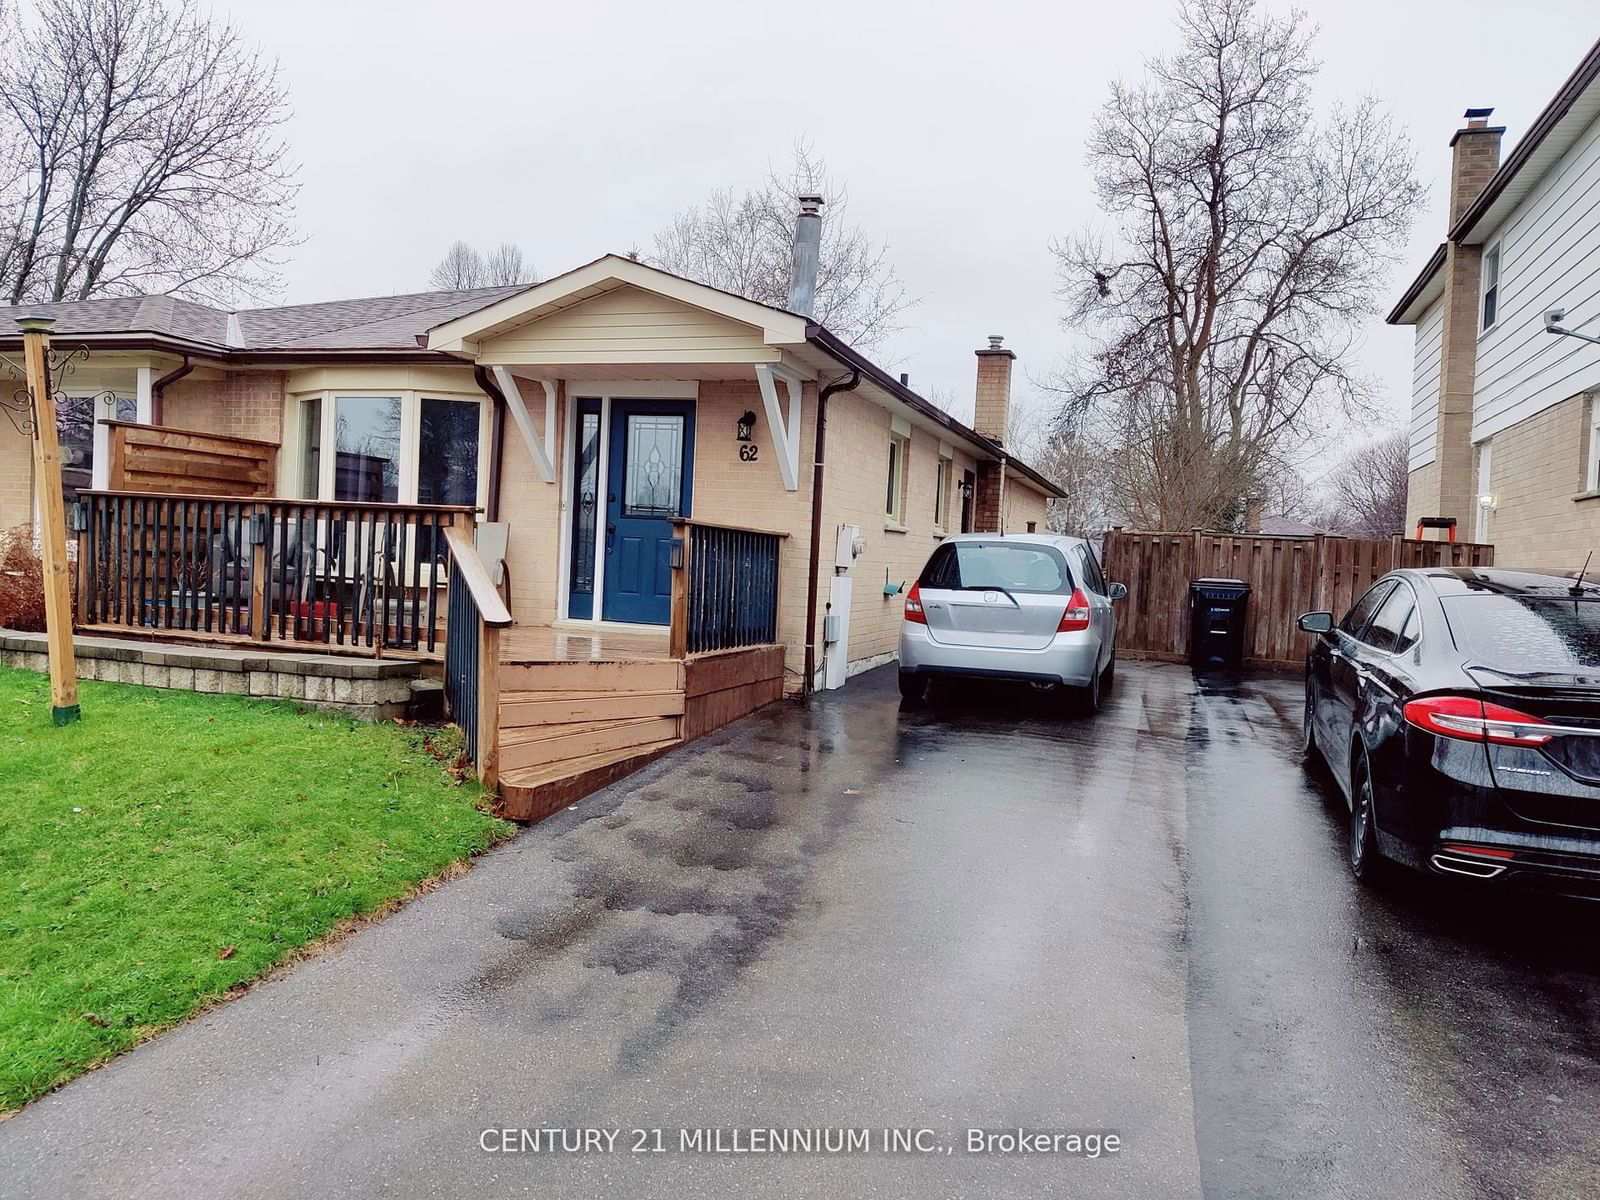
(497, 435)
(159, 387)
(838, 385)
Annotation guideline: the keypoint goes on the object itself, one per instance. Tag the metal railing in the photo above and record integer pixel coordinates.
(725, 587)
(363, 577)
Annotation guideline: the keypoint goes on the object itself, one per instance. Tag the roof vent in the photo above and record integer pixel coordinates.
(807, 254)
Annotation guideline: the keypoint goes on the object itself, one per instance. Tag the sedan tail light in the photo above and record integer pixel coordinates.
(914, 612)
(1478, 721)
(1076, 616)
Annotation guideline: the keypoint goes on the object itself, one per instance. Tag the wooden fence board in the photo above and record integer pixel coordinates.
(155, 458)
(1287, 576)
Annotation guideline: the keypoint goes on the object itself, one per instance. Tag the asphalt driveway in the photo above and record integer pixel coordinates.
(845, 917)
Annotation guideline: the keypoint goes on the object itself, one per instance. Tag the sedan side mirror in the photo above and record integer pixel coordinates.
(1317, 622)
(1117, 591)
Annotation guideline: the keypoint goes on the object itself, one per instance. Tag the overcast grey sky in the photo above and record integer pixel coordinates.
(577, 129)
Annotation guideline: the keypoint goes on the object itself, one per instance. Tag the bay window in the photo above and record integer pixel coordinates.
(399, 447)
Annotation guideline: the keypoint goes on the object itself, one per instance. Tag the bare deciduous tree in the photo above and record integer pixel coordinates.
(1249, 241)
(743, 243)
(1367, 490)
(140, 153)
(464, 266)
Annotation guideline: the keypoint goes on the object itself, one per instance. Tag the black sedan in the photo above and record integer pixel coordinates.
(1459, 711)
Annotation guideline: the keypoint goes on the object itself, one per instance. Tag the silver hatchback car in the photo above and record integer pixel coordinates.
(1032, 607)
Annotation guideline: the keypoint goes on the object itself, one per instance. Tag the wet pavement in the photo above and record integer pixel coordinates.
(845, 917)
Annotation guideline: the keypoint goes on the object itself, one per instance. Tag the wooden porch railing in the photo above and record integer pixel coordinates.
(724, 587)
(365, 577)
(472, 653)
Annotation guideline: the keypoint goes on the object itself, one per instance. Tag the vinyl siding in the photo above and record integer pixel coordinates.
(1425, 387)
(1549, 258)
(628, 325)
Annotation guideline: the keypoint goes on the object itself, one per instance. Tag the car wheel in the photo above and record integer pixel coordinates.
(913, 690)
(1308, 731)
(1362, 855)
(1086, 699)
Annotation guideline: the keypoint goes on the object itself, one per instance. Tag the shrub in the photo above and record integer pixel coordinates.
(22, 580)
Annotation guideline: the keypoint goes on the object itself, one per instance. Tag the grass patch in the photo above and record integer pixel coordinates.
(172, 846)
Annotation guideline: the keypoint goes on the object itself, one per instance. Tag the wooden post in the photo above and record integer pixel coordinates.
(258, 583)
(678, 630)
(488, 703)
(52, 520)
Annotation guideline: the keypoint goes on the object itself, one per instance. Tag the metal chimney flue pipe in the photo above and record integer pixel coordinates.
(807, 252)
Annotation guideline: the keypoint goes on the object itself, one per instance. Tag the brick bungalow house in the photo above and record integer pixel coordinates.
(1505, 427)
(587, 417)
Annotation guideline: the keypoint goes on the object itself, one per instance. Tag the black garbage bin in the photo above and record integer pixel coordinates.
(1216, 623)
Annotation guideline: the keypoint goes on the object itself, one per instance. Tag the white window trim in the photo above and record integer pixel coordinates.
(1484, 502)
(943, 484)
(1591, 474)
(1491, 250)
(410, 440)
(894, 515)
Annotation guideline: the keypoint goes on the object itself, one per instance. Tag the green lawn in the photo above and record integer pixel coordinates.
(171, 846)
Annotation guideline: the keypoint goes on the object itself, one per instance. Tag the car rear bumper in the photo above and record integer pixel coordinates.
(1562, 864)
(1070, 658)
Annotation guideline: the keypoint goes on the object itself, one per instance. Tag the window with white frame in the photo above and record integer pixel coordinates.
(1491, 287)
(391, 448)
(1591, 474)
(1486, 500)
(894, 507)
(941, 490)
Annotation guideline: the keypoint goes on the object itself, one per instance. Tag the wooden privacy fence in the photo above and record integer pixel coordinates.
(1287, 576)
(154, 458)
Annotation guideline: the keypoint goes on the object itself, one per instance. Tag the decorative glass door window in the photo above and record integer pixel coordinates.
(587, 501)
(654, 484)
(367, 449)
(447, 452)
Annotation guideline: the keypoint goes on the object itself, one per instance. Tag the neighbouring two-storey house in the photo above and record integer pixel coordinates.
(692, 503)
(1505, 426)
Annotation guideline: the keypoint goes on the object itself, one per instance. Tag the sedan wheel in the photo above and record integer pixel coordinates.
(1088, 697)
(1308, 730)
(913, 690)
(1362, 854)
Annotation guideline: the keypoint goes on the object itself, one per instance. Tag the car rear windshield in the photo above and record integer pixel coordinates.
(1525, 634)
(1016, 567)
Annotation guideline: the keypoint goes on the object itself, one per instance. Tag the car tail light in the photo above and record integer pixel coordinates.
(1076, 616)
(1478, 721)
(914, 612)
(1477, 851)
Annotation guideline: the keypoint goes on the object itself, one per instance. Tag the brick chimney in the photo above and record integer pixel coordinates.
(993, 404)
(1475, 155)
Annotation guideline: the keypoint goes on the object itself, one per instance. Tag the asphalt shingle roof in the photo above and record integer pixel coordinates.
(374, 323)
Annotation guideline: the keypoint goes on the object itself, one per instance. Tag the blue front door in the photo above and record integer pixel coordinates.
(648, 483)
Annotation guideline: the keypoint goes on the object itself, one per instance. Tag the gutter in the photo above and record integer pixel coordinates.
(1543, 126)
(852, 358)
(159, 387)
(486, 383)
(814, 570)
(1419, 285)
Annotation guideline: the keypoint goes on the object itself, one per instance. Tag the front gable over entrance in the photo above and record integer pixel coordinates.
(615, 311)
(623, 326)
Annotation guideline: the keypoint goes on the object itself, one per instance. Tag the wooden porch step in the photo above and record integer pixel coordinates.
(541, 744)
(532, 793)
(645, 675)
(521, 709)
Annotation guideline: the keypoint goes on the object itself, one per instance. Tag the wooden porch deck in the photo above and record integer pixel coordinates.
(568, 643)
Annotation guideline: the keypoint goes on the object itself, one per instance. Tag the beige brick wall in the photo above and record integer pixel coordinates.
(856, 488)
(1422, 495)
(1023, 503)
(16, 476)
(246, 404)
(1536, 468)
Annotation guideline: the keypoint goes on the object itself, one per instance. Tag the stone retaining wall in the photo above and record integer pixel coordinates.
(365, 688)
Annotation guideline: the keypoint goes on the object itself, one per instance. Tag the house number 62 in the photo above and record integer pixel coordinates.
(748, 452)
